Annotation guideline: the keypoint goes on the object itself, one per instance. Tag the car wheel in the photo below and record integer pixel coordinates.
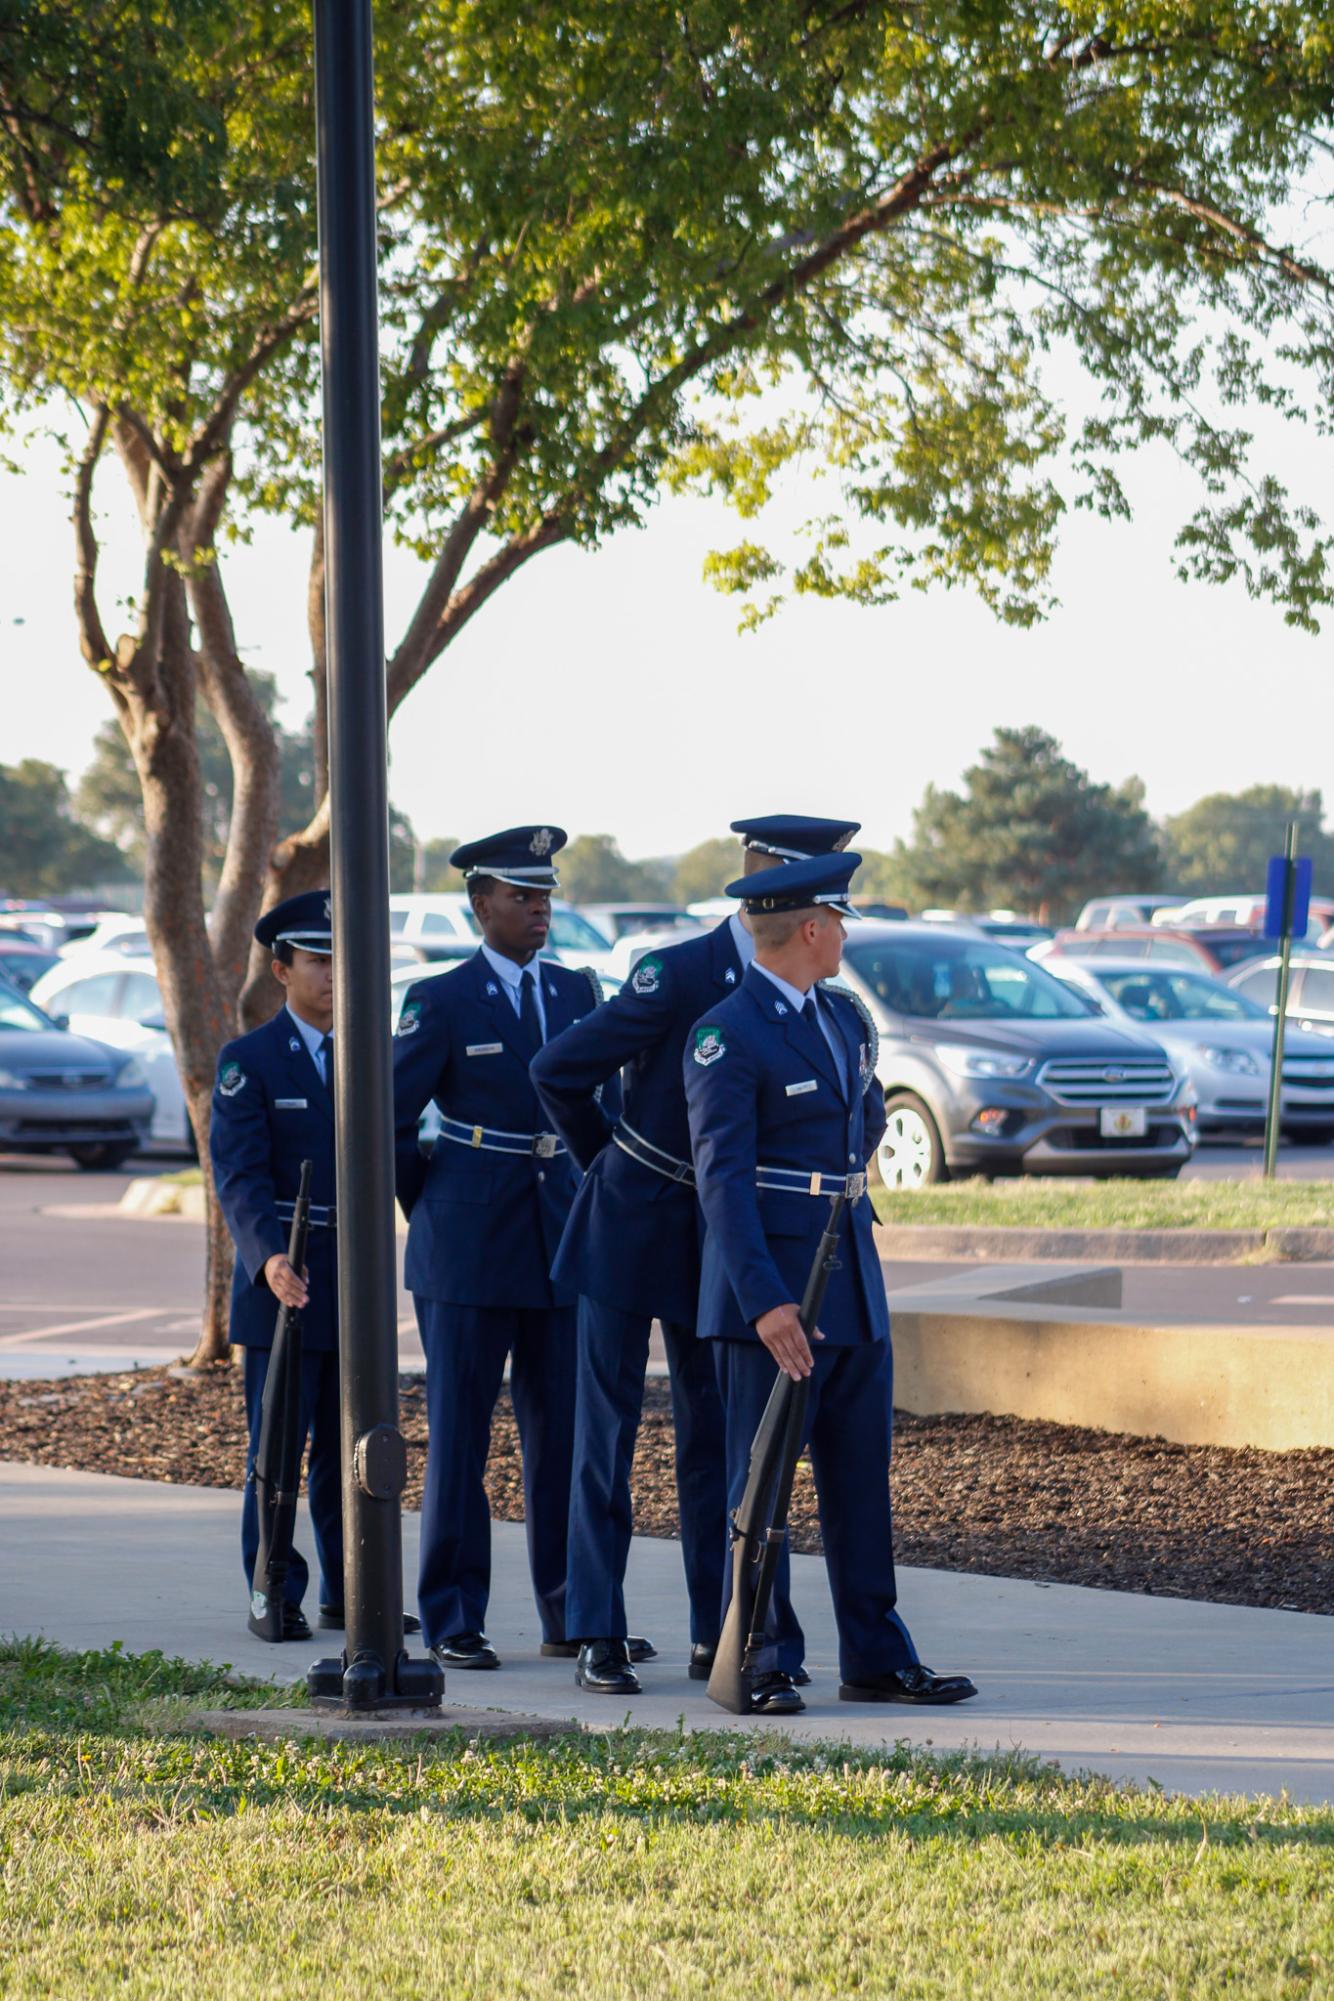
(1308, 1135)
(1161, 1173)
(101, 1156)
(910, 1155)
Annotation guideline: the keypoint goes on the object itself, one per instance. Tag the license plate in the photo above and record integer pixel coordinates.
(1123, 1121)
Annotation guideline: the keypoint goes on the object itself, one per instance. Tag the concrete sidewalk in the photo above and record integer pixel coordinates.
(1199, 1697)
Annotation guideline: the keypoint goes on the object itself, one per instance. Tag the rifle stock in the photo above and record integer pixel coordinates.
(759, 1524)
(277, 1468)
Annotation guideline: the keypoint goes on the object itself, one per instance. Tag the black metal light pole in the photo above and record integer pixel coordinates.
(374, 1671)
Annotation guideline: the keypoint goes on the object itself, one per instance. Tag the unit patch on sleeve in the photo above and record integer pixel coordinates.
(709, 1046)
(648, 976)
(231, 1080)
(410, 1020)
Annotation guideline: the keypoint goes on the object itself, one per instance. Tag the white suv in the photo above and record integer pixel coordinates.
(442, 915)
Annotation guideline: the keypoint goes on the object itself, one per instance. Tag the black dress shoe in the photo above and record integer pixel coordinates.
(701, 1660)
(333, 1619)
(568, 1650)
(296, 1626)
(799, 1678)
(466, 1650)
(914, 1684)
(773, 1695)
(604, 1669)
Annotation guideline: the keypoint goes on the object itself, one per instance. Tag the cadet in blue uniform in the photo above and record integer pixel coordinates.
(272, 1109)
(486, 1214)
(631, 1252)
(785, 1111)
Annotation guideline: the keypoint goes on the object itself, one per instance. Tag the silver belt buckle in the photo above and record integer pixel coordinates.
(544, 1145)
(856, 1186)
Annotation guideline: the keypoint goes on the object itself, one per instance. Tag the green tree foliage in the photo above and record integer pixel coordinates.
(882, 875)
(706, 870)
(1223, 842)
(109, 799)
(44, 851)
(1029, 831)
(593, 870)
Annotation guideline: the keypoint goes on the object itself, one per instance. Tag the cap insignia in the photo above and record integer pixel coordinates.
(540, 845)
(328, 911)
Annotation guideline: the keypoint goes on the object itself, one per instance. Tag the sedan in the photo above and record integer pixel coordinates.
(1222, 1040)
(1310, 989)
(117, 1000)
(62, 1093)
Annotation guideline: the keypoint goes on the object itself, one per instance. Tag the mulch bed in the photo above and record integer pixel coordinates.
(997, 1495)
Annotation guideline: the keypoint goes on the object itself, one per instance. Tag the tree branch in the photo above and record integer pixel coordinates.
(92, 635)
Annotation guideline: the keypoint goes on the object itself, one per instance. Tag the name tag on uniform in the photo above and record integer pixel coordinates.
(291, 1104)
(807, 1084)
(485, 1049)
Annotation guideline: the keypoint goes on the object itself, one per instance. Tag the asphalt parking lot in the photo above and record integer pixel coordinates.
(87, 1287)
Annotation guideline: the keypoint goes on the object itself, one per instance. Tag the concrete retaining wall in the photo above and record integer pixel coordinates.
(1265, 1386)
(922, 1241)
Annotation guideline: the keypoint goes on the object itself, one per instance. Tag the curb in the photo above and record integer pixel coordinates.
(1147, 1247)
(152, 1197)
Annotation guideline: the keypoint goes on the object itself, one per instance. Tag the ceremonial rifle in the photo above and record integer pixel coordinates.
(277, 1468)
(759, 1524)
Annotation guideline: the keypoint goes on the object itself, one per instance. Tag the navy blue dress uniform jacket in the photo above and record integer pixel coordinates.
(632, 1240)
(484, 1225)
(271, 1111)
(764, 1090)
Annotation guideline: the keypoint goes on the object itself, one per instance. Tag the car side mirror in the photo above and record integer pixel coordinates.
(60, 1020)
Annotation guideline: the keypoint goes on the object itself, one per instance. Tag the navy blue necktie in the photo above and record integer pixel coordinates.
(530, 1028)
(327, 1063)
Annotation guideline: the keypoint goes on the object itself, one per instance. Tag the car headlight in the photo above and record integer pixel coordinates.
(11, 1081)
(131, 1076)
(980, 1062)
(1237, 1062)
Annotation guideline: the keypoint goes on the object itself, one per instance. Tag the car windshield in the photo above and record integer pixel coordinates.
(961, 979)
(572, 933)
(15, 1012)
(1159, 995)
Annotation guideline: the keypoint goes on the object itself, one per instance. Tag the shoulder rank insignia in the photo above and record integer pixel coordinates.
(647, 976)
(709, 1046)
(594, 984)
(231, 1079)
(410, 1020)
(780, 1007)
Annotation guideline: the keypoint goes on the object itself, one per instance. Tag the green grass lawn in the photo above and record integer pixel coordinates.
(1117, 1205)
(139, 1860)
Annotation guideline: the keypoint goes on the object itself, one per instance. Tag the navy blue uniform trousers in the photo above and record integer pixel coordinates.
(613, 1358)
(848, 1432)
(466, 1348)
(318, 1422)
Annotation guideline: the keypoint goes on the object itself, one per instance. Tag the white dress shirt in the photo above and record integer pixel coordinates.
(509, 974)
(312, 1037)
(797, 1000)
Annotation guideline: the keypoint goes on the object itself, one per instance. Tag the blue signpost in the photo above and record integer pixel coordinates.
(1287, 909)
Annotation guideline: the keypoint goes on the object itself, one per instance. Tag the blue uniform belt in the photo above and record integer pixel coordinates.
(323, 1215)
(544, 1145)
(796, 1181)
(648, 1155)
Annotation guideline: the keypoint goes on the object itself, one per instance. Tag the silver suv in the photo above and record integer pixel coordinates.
(990, 1066)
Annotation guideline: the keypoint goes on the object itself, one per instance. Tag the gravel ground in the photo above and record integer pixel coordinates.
(998, 1495)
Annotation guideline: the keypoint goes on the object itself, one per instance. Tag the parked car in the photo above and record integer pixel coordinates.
(1310, 991)
(431, 918)
(1223, 1042)
(1006, 926)
(1109, 913)
(22, 963)
(1212, 951)
(990, 1065)
(1246, 910)
(63, 1093)
(118, 1001)
(117, 931)
(619, 920)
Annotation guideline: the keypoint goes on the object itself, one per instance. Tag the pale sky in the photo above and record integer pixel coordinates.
(610, 692)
